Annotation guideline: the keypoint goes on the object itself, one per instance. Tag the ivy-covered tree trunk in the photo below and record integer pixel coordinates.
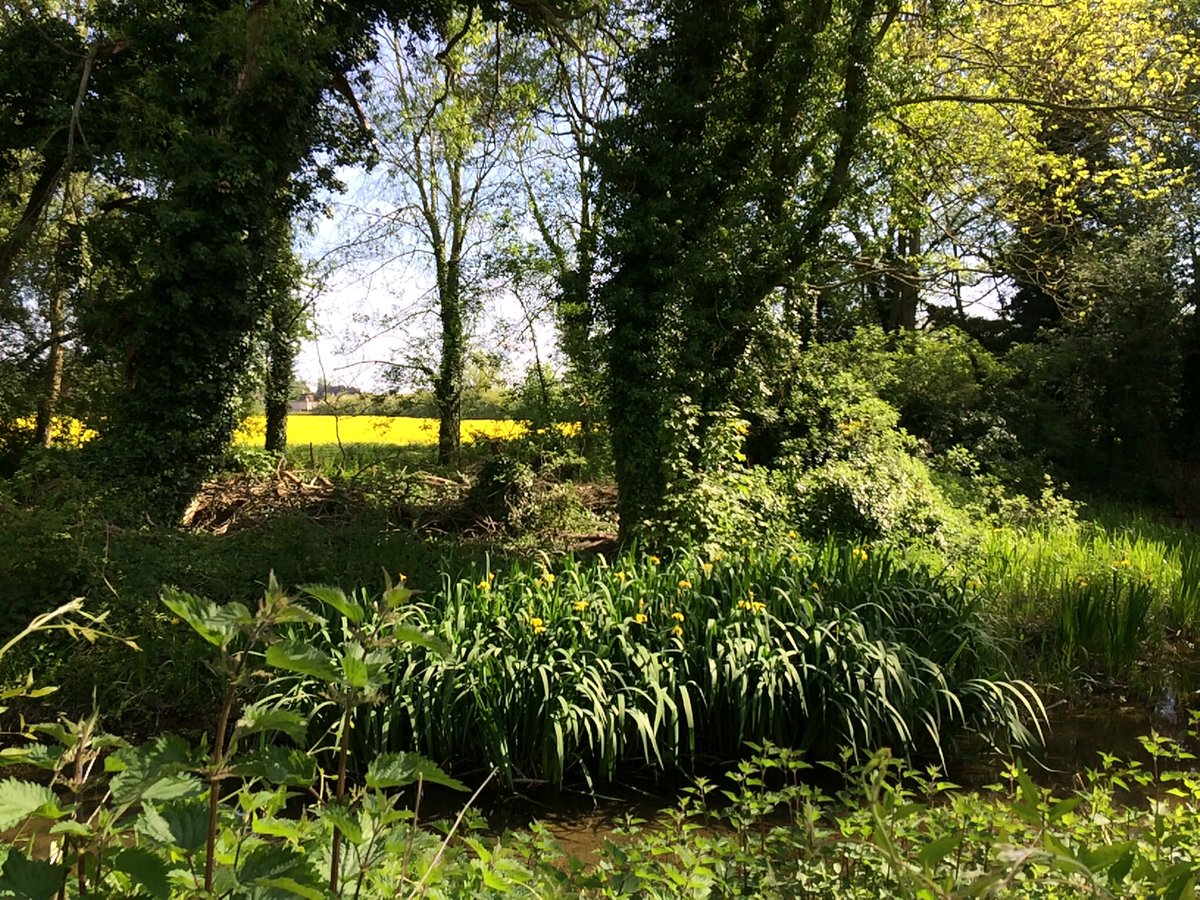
(219, 119)
(743, 119)
(187, 349)
(279, 281)
(281, 366)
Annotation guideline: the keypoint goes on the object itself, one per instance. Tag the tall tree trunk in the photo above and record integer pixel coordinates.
(701, 176)
(905, 293)
(278, 281)
(48, 402)
(637, 401)
(281, 365)
(449, 385)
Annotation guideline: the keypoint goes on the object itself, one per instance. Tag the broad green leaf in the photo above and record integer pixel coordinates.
(278, 765)
(70, 826)
(215, 623)
(146, 869)
(341, 819)
(38, 755)
(182, 824)
(258, 718)
(336, 597)
(355, 672)
(288, 829)
(173, 787)
(31, 879)
(935, 851)
(21, 799)
(294, 612)
(396, 596)
(297, 656)
(415, 636)
(140, 768)
(270, 861)
(56, 731)
(393, 770)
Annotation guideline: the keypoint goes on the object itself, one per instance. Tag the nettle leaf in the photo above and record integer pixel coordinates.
(290, 887)
(217, 624)
(139, 769)
(271, 861)
(39, 755)
(278, 765)
(396, 596)
(336, 597)
(341, 819)
(183, 825)
(31, 879)
(288, 829)
(415, 636)
(297, 656)
(355, 673)
(173, 787)
(294, 613)
(394, 770)
(258, 718)
(145, 868)
(21, 799)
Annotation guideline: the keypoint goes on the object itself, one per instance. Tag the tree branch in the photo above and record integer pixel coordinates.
(341, 84)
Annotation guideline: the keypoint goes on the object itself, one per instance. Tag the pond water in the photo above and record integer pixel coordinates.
(1114, 722)
(1079, 732)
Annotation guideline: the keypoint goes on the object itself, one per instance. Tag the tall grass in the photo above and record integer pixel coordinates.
(1085, 596)
(590, 669)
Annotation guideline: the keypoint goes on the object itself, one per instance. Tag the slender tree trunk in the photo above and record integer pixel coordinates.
(48, 403)
(281, 364)
(905, 293)
(278, 283)
(448, 389)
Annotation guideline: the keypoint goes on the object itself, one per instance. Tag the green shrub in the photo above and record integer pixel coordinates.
(864, 477)
(714, 498)
(504, 491)
(883, 493)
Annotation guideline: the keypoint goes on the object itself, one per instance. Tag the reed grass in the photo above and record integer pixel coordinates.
(1090, 596)
(588, 670)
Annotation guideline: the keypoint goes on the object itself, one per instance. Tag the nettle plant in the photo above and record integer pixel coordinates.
(171, 819)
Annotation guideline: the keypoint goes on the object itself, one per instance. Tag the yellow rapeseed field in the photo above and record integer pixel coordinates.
(62, 429)
(307, 429)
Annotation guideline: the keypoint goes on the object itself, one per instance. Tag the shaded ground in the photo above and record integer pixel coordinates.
(574, 517)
